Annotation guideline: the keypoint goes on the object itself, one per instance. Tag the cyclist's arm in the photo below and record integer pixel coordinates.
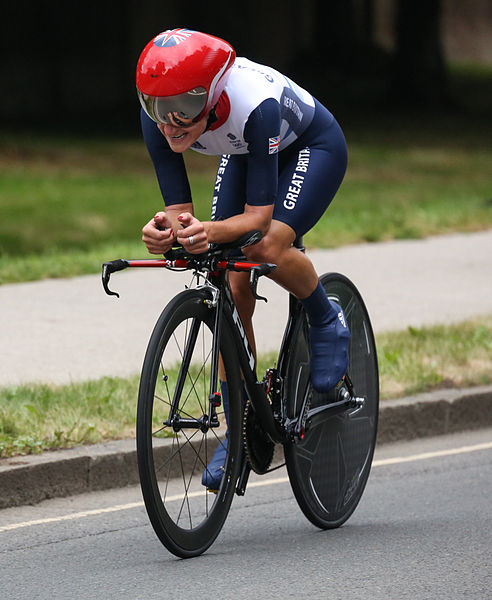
(160, 232)
(169, 166)
(254, 217)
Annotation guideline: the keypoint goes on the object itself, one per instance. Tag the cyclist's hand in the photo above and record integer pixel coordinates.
(193, 235)
(158, 235)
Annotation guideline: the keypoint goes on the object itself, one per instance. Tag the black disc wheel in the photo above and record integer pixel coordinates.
(175, 436)
(329, 467)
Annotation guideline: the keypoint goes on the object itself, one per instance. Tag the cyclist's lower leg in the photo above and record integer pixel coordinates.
(329, 334)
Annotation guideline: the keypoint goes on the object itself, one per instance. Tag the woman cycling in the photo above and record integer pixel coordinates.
(282, 159)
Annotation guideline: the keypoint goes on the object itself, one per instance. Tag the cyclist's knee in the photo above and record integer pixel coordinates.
(277, 240)
(265, 251)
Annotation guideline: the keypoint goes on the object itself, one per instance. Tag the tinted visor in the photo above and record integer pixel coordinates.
(185, 106)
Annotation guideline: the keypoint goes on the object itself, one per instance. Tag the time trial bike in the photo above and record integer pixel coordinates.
(328, 439)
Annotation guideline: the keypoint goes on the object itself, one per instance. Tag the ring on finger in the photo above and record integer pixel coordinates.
(191, 240)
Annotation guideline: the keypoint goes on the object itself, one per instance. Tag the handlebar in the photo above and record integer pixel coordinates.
(216, 259)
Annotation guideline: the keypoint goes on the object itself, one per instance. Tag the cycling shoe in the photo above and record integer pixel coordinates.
(212, 475)
(329, 351)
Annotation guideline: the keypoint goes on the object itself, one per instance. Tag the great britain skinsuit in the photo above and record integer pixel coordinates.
(277, 145)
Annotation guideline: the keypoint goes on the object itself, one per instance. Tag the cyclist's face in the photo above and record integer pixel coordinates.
(182, 133)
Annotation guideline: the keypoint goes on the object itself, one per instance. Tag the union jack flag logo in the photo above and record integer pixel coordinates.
(172, 37)
(273, 144)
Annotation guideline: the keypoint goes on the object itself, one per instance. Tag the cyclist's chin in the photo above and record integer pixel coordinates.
(181, 143)
(180, 140)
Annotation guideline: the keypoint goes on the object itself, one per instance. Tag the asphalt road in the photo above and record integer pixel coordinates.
(421, 531)
(68, 330)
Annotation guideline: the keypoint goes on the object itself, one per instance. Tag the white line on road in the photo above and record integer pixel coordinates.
(377, 463)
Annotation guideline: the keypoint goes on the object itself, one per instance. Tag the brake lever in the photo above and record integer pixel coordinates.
(112, 267)
(255, 273)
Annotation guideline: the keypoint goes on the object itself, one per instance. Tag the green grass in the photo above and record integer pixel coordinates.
(40, 417)
(69, 204)
(399, 193)
(34, 418)
(444, 356)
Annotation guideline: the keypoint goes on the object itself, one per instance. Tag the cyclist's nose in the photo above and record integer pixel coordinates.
(167, 129)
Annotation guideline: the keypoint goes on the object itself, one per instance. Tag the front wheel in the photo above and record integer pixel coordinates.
(328, 469)
(174, 441)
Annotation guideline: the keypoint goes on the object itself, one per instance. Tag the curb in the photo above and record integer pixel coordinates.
(31, 479)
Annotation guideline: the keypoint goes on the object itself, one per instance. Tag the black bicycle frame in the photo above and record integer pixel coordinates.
(279, 431)
(227, 310)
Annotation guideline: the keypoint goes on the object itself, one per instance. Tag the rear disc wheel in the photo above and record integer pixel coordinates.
(329, 468)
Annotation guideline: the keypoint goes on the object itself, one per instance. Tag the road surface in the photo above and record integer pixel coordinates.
(422, 530)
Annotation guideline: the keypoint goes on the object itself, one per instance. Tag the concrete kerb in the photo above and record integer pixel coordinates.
(31, 479)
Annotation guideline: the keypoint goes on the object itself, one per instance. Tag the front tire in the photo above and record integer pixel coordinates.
(185, 516)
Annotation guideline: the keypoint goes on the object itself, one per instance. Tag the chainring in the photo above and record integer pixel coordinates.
(258, 446)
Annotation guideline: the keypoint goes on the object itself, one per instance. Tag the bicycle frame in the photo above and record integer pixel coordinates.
(222, 298)
(255, 389)
(280, 429)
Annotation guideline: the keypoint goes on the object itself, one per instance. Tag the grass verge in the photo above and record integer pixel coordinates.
(42, 417)
(69, 204)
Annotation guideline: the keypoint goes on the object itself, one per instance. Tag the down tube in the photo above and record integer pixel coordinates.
(255, 389)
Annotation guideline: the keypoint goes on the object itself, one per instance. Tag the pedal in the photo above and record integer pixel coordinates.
(345, 391)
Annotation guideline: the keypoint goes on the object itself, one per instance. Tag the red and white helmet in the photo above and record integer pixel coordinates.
(182, 72)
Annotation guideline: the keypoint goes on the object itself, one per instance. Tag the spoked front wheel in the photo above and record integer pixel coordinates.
(329, 467)
(175, 438)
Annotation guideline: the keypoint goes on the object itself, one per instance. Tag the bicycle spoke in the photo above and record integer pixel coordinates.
(168, 476)
(192, 471)
(204, 360)
(193, 387)
(174, 454)
(185, 497)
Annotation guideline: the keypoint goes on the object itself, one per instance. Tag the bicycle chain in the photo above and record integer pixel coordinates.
(258, 447)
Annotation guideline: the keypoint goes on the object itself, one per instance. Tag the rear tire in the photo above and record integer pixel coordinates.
(185, 516)
(329, 468)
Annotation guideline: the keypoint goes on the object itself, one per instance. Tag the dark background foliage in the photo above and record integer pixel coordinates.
(70, 66)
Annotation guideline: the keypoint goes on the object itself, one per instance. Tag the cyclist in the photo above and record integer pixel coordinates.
(283, 158)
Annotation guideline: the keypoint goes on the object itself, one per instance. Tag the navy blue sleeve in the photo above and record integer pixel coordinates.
(262, 133)
(169, 166)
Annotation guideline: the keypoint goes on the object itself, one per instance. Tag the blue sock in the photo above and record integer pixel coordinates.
(319, 309)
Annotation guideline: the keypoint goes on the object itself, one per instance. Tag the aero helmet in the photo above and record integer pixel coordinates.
(184, 72)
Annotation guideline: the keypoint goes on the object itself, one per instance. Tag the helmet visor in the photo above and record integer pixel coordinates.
(162, 109)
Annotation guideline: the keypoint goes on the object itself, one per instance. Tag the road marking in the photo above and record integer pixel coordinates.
(427, 455)
(120, 507)
(72, 517)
